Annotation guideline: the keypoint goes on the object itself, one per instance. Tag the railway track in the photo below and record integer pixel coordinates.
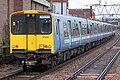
(6, 58)
(9, 59)
(98, 67)
(21, 75)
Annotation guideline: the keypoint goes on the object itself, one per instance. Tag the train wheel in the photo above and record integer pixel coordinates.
(52, 64)
(71, 53)
(64, 56)
(60, 58)
(86, 47)
(68, 55)
(79, 50)
(53, 61)
(76, 52)
(82, 49)
(89, 46)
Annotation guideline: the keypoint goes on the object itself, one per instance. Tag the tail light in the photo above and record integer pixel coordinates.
(15, 46)
(44, 46)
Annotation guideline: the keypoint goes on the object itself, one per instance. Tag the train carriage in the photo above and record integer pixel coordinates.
(38, 37)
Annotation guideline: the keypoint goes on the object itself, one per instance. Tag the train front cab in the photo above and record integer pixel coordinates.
(31, 36)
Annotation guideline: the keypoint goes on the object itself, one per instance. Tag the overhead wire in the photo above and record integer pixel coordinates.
(100, 1)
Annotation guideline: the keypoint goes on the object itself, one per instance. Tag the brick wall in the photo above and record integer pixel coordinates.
(26, 4)
(86, 13)
(18, 5)
(3, 17)
(33, 5)
(11, 6)
(37, 6)
(45, 9)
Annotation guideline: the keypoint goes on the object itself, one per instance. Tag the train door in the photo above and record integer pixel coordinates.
(70, 33)
(58, 32)
(80, 31)
(31, 32)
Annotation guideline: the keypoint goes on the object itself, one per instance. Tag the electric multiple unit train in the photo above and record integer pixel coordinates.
(38, 37)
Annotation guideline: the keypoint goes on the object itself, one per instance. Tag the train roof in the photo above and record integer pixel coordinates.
(67, 16)
(89, 20)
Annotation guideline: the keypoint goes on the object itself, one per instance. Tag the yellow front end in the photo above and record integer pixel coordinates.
(36, 43)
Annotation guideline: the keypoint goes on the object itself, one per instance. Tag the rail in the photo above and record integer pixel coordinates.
(103, 73)
(89, 63)
(4, 54)
(12, 74)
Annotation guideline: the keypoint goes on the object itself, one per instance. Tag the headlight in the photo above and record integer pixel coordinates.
(41, 45)
(13, 46)
(45, 46)
(49, 46)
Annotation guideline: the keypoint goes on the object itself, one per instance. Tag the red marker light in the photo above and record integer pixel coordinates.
(46, 46)
(16, 46)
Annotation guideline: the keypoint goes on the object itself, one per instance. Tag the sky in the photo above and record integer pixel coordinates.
(82, 4)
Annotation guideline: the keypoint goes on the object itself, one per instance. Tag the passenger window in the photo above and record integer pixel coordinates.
(99, 29)
(65, 29)
(75, 29)
(84, 29)
(95, 28)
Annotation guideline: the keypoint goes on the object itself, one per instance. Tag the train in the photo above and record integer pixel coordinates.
(44, 38)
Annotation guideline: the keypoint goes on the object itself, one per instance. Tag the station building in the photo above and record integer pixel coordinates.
(59, 6)
(9, 6)
(83, 13)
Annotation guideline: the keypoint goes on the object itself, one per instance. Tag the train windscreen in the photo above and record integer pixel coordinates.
(31, 24)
